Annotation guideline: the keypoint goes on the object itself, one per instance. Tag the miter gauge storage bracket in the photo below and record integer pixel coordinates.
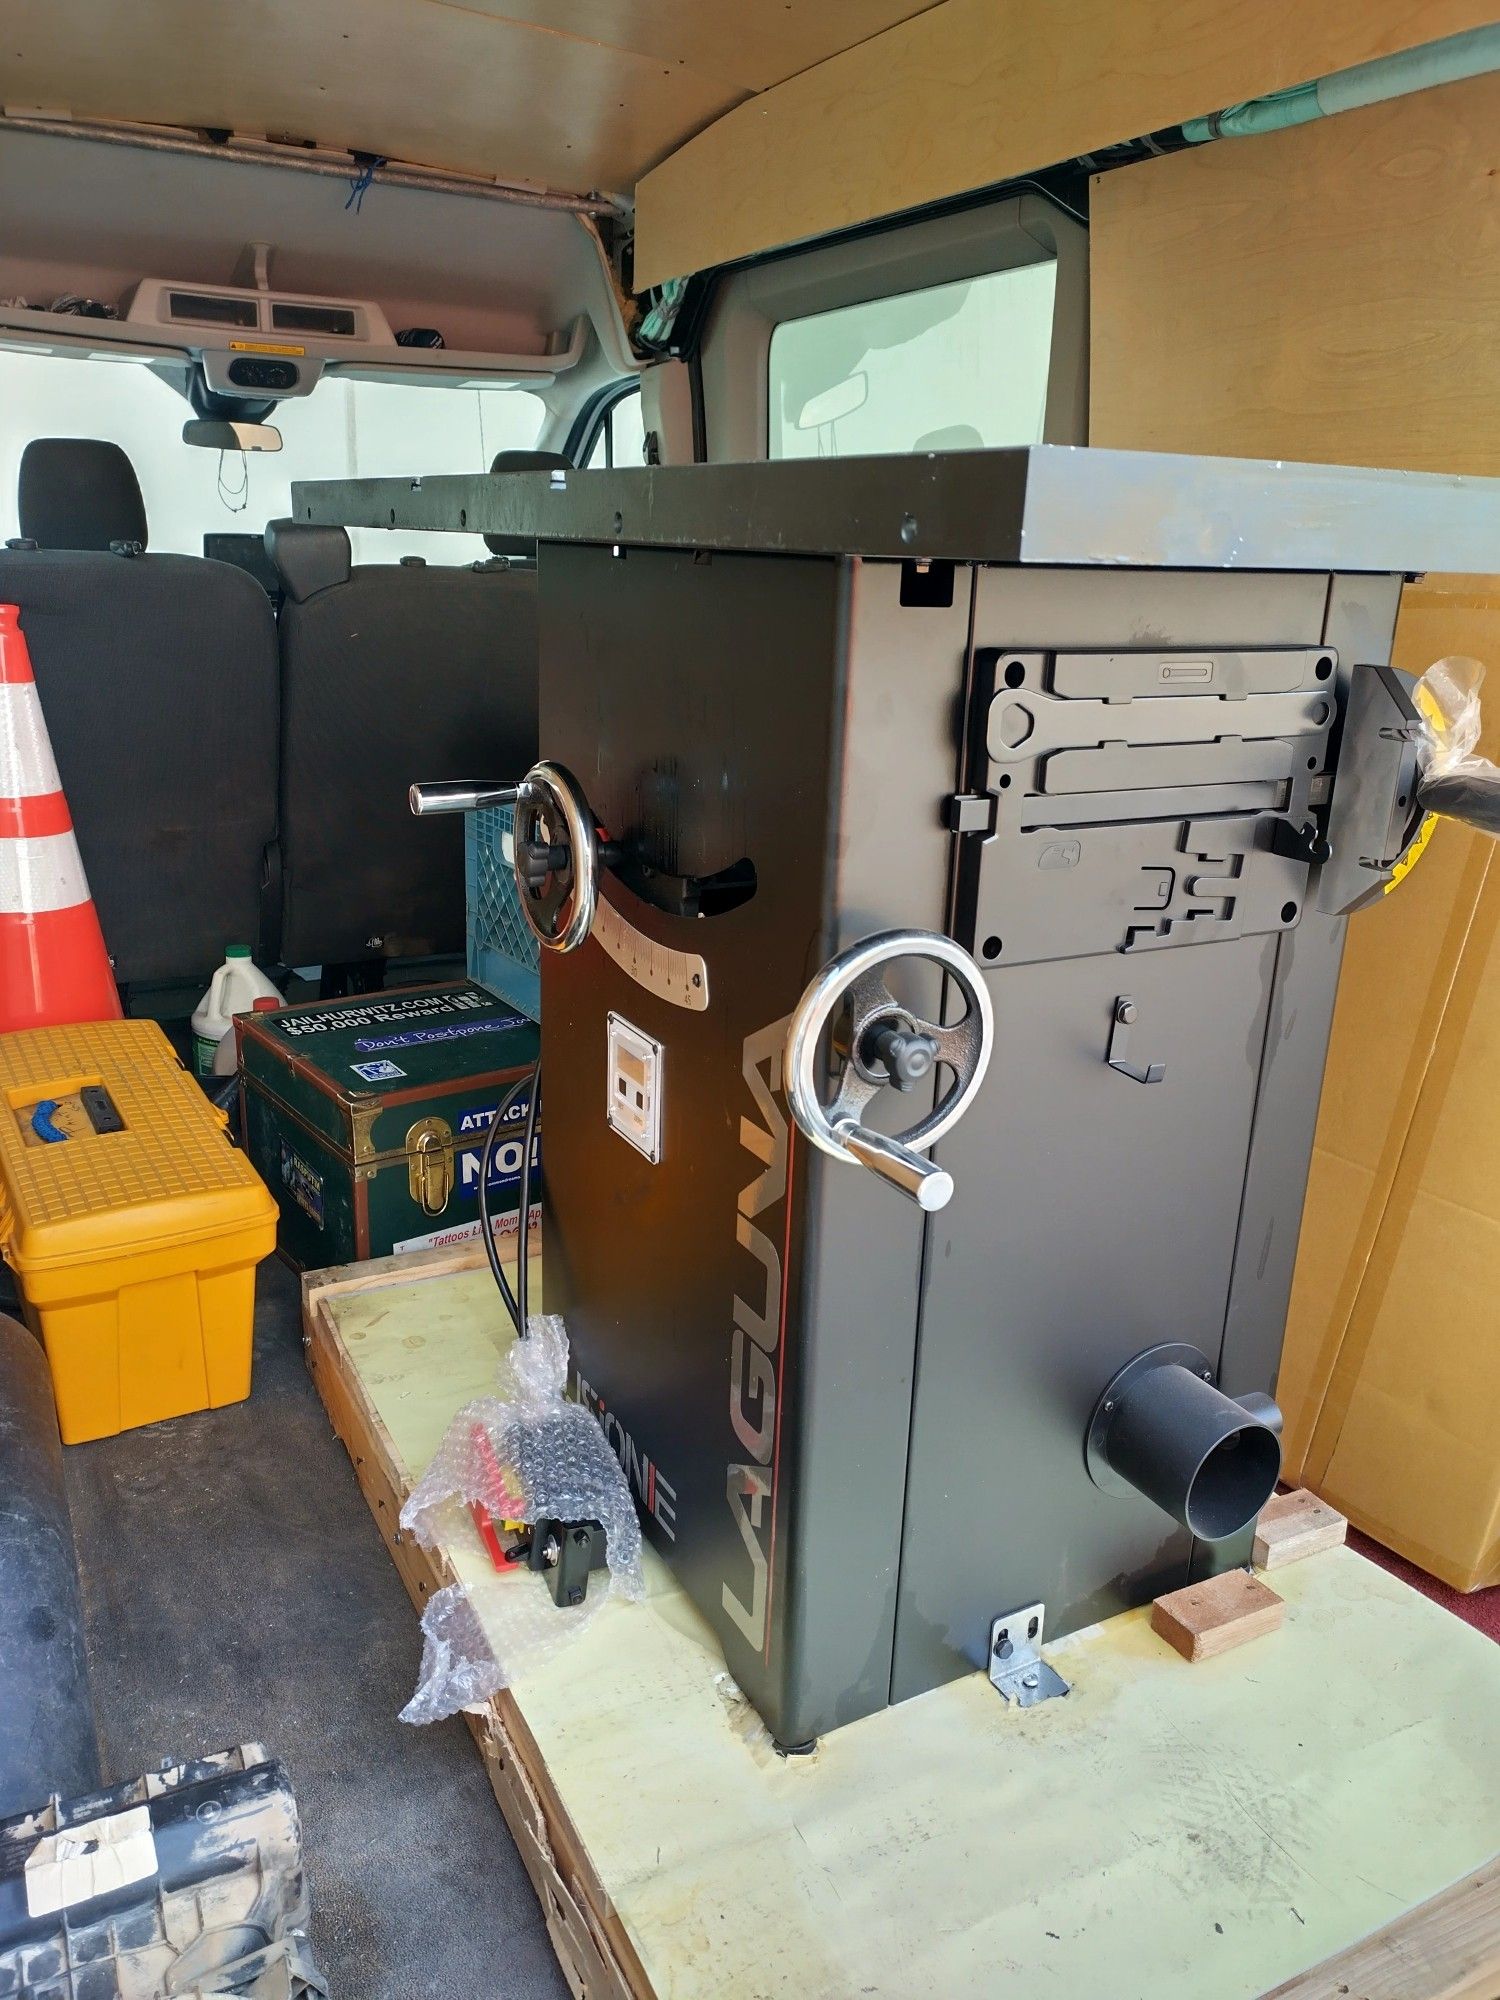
(878, 1043)
(1136, 799)
(1376, 811)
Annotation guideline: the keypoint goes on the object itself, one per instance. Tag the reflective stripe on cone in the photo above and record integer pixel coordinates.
(38, 875)
(27, 767)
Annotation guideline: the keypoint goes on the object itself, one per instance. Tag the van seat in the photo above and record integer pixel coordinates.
(389, 673)
(157, 676)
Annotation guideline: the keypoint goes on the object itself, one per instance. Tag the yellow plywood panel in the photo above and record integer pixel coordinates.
(979, 90)
(934, 1848)
(1329, 292)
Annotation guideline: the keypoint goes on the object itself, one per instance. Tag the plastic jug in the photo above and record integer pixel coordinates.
(234, 989)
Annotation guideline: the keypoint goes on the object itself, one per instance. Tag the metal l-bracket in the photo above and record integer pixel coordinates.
(1017, 1669)
(1119, 1043)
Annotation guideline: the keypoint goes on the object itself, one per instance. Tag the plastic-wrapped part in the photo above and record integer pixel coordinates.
(1456, 781)
(526, 1454)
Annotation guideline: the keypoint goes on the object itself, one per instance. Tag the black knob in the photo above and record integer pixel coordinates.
(539, 858)
(906, 1057)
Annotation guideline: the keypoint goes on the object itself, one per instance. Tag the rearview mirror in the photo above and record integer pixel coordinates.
(829, 405)
(218, 434)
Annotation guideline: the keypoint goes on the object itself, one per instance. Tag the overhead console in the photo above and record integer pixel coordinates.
(255, 342)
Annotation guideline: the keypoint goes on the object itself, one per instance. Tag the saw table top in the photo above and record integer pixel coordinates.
(1046, 503)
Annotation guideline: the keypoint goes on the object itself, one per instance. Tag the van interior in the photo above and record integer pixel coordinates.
(248, 253)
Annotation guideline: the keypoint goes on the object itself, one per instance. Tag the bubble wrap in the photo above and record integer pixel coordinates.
(527, 1454)
(1454, 779)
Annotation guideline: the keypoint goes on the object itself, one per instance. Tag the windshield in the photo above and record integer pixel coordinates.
(344, 429)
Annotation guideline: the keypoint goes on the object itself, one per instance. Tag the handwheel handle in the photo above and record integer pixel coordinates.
(457, 795)
(965, 1048)
(928, 1186)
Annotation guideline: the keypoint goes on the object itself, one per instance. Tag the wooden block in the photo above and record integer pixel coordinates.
(1209, 1618)
(1294, 1525)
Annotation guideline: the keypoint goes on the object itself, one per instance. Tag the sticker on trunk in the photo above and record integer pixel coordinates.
(466, 1232)
(303, 1183)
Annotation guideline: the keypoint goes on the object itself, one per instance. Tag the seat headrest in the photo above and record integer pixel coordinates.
(307, 559)
(522, 461)
(79, 493)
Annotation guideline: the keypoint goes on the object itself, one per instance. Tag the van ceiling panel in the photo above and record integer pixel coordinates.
(571, 94)
(92, 217)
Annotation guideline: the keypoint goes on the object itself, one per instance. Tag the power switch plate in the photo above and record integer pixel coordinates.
(634, 1078)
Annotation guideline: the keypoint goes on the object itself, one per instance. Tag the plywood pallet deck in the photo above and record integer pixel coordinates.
(1315, 1814)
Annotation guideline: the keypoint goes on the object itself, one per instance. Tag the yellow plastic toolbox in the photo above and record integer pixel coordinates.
(133, 1226)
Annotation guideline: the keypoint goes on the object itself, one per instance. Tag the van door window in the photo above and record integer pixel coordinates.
(953, 368)
(620, 441)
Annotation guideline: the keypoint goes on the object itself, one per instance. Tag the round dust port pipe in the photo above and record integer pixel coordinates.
(1163, 1430)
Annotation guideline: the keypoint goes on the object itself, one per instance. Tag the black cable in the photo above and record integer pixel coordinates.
(515, 1309)
(523, 1234)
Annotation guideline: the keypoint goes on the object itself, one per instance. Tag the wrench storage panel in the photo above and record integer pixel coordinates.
(1133, 800)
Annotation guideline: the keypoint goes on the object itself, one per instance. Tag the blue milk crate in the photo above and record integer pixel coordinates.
(503, 954)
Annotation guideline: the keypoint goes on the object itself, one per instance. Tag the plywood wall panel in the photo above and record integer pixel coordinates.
(1330, 292)
(974, 91)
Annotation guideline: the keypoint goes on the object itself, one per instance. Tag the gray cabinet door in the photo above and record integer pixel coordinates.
(1094, 1216)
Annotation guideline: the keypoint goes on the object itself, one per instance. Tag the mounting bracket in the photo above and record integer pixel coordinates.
(1017, 1669)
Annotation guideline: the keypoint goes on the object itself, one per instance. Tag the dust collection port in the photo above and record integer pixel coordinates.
(1163, 1430)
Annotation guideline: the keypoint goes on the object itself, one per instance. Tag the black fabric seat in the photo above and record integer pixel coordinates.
(389, 673)
(157, 675)
(517, 547)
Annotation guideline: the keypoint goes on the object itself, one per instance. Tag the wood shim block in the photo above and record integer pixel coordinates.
(1209, 1618)
(1294, 1525)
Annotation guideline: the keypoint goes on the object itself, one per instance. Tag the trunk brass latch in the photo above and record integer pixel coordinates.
(429, 1164)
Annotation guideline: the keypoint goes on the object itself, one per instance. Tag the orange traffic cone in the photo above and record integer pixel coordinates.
(53, 965)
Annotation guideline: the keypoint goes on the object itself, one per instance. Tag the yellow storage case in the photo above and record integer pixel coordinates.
(135, 1236)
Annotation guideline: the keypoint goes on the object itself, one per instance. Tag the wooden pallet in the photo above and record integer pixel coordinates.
(592, 1948)
(607, 1923)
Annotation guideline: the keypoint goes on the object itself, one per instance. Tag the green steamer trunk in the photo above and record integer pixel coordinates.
(366, 1117)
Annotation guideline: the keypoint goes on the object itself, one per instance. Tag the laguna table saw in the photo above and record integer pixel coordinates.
(943, 864)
